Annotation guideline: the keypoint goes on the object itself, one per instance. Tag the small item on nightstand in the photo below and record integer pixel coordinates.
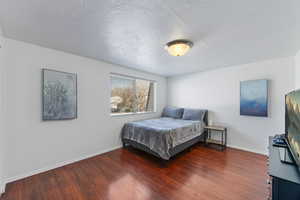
(279, 140)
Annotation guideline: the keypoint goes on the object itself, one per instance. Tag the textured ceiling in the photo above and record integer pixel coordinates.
(133, 33)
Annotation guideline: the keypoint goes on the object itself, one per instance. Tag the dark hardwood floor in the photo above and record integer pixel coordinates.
(127, 174)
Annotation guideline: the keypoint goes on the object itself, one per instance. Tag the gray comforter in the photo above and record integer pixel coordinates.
(162, 134)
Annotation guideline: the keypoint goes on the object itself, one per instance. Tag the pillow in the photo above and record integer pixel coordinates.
(194, 114)
(172, 112)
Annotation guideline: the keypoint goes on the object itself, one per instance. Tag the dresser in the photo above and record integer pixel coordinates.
(284, 179)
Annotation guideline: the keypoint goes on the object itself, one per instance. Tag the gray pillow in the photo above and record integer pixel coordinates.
(194, 114)
(172, 112)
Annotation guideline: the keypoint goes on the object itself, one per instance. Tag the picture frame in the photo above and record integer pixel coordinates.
(59, 95)
(254, 98)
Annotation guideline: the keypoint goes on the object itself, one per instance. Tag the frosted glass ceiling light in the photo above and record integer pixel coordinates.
(178, 47)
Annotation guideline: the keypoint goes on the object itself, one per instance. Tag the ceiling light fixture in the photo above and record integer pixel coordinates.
(178, 47)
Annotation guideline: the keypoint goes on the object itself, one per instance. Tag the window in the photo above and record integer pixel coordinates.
(131, 95)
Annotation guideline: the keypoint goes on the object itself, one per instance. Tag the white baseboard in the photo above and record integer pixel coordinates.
(54, 166)
(2, 189)
(246, 149)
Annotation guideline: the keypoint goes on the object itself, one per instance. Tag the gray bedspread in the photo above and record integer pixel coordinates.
(162, 134)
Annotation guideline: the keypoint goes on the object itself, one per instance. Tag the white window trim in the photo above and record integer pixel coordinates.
(130, 77)
(134, 78)
(132, 113)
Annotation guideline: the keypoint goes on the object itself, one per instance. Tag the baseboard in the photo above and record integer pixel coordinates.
(57, 165)
(246, 149)
(2, 188)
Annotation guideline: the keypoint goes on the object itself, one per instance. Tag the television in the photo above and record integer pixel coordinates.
(292, 124)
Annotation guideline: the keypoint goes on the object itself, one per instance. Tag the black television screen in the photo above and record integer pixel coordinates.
(292, 123)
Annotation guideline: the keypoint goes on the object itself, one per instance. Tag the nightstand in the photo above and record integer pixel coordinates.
(218, 129)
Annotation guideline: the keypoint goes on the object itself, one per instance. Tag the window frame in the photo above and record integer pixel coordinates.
(128, 77)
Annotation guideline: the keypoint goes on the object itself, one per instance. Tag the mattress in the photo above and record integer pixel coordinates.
(162, 134)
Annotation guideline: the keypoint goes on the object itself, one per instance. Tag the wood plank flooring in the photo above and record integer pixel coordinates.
(128, 174)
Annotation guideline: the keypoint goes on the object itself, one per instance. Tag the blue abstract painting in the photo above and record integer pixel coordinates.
(254, 98)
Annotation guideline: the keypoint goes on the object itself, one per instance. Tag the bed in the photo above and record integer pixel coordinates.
(177, 130)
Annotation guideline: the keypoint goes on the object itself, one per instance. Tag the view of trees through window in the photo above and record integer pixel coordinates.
(130, 95)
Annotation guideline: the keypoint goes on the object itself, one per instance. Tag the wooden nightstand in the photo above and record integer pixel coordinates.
(218, 129)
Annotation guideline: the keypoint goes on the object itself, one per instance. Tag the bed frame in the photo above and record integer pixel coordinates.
(173, 151)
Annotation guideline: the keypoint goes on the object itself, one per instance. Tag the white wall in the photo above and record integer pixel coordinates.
(297, 70)
(35, 145)
(218, 91)
(2, 136)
